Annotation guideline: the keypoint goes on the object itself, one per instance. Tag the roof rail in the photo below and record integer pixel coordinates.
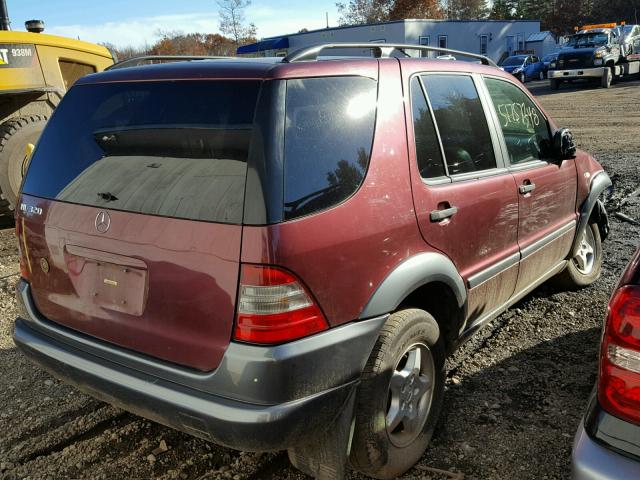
(136, 61)
(380, 50)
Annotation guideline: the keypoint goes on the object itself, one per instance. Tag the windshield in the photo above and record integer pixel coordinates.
(549, 58)
(511, 61)
(177, 149)
(588, 40)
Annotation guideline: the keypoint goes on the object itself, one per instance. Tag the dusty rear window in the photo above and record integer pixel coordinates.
(176, 149)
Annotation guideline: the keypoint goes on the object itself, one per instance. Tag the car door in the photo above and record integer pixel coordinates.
(537, 67)
(465, 200)
(546, 187)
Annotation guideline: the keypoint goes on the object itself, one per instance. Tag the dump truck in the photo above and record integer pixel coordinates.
(36, 70)
(601, 53)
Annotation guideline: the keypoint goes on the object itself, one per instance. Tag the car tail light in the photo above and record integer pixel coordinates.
(25, 265)
(274, 307)
(619, 382)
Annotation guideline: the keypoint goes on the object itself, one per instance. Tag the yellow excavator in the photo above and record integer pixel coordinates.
(35, 72)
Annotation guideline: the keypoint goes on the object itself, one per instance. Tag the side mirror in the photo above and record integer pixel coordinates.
(564, 147)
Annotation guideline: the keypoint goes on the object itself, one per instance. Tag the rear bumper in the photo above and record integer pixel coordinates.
(592, 461)
(595, 72)
(244, 419)
(605, 447)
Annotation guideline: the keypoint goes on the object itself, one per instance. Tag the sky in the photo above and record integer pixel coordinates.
(137, 22)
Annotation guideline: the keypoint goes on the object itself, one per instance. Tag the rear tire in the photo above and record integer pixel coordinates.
(15, 134)
(400, 396)
(585, 266)
(522, 77)
(541, 75)
(554, 84)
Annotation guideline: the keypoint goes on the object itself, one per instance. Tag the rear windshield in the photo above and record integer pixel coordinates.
(176, 149)
(513, 61)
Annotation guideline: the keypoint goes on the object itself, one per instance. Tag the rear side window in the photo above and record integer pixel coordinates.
(525, 129)
(428, 154)
(462, 123)
(176, 149)
(328, 136)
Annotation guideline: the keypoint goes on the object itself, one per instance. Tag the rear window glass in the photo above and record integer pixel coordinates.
(176, 149)
(328, 135)
(462, 124)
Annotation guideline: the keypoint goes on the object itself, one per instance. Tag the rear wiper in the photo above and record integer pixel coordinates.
(108, 197)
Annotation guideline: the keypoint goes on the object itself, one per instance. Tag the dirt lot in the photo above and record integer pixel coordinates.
(515, 393)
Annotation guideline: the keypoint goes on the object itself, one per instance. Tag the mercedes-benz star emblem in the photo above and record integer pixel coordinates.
(103, 222)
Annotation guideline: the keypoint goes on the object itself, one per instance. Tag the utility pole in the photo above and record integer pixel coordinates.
(327, 17)
(5, 24)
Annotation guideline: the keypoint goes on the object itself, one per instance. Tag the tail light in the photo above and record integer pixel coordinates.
(619, 381)
(25, 264)
(274, 307)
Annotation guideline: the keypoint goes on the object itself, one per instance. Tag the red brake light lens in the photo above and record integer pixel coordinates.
(274, 307)
(619, 381)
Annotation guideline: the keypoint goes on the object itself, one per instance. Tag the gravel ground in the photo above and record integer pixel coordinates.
(515, 392)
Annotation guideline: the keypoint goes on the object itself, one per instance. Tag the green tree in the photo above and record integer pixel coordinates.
(467, 9)
(503, 9)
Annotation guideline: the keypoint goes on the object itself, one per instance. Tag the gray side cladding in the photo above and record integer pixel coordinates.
(411, 274)
(599, 183)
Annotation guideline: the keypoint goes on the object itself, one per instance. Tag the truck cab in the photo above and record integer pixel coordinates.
(595, 52)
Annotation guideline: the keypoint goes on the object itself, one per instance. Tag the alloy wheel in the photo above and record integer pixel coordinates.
(584, 258)
(410, 395)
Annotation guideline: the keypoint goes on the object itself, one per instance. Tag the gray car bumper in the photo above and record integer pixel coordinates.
(596, 72)
(259, 398)
(592, 461)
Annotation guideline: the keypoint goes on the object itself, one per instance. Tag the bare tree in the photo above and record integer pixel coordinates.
(364, 11)
(233, 21)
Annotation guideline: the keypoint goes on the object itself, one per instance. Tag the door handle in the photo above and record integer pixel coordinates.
(439, 215)
(527, 187)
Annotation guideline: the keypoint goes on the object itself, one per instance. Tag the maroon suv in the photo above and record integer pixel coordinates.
(280, 254)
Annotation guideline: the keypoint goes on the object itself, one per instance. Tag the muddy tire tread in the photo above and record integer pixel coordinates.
(7, 130)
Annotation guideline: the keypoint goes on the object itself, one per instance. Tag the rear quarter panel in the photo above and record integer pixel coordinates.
(343, 254)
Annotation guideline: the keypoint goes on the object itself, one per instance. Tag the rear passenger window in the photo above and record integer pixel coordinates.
(461, 122)
(428, 153)
(524, 127)
(328, 136)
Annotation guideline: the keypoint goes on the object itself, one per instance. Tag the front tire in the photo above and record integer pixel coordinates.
(400, 396)
(585, 266)
(607, 78)
(15, 134)
(522, 77)
(554, 84)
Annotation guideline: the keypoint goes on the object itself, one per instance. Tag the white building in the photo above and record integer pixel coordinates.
(495, 38)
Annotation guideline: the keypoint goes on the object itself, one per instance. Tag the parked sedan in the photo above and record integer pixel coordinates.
(607, 444)
(523, 67)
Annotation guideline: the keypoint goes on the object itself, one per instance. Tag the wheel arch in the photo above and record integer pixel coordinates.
(592, 207)
(429, 281)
